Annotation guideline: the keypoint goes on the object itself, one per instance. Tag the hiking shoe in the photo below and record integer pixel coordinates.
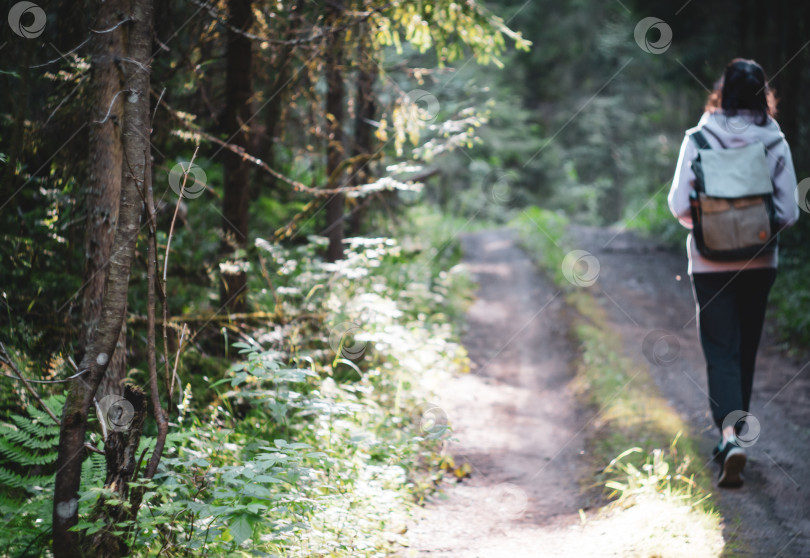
(732, 460)
(717, 451)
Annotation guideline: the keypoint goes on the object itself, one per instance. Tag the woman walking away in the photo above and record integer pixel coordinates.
(718, 193)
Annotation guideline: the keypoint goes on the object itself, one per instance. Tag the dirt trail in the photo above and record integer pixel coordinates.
(515, 419)
(518, 424)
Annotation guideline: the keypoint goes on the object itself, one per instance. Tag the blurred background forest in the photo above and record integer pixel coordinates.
(318, 130)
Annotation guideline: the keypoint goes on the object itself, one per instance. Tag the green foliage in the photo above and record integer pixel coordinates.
(790, 298)
(660, 472)
(654, 219)
(313, 442)
(541, 233)
(29, 441)
(447, 27)
(27, 457)
(37, 283)
(28, 452)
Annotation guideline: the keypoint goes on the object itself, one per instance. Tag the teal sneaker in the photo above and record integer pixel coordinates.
(732, 461)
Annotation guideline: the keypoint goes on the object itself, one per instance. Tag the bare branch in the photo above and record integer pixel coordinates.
(6, 359)
(109, 108)
(299, 186)
(100, 415)
(93, 448)
(177, 356)
(132, 61)
(61, 56)
(157, 105)
(176, 208)
(152, 282)
(114, 27)
(64, 100)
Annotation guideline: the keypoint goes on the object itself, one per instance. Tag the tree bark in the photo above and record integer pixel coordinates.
(120, 449)
(365, 109)
(238, 91)
(103, 190)
(334, 148)
(274, 108)
(135, 140)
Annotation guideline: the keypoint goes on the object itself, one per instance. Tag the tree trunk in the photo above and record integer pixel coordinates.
(363, 130)
(135, 140)
(103, 190)
(274, 108)
(238, 91)
(334, 148)
(120, 448)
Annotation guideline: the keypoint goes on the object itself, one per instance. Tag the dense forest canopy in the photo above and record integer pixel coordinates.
(196, 194)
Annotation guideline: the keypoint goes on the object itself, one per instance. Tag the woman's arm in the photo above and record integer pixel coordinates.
(784, 186)
(683, 183)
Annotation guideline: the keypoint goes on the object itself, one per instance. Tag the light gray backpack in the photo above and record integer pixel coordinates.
(732, 204)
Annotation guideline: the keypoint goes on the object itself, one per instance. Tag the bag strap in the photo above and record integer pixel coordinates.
(700, 139)
(774, 143)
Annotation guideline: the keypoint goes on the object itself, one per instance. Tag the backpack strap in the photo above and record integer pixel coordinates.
(700, 139)
(774, 143)
(715, 136)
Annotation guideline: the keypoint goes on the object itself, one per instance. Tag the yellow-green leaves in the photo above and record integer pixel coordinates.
(449, 27)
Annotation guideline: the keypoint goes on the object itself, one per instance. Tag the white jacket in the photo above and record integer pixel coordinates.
(736, 131)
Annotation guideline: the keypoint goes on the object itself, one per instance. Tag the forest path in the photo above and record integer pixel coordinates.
(518, 424)
(515, 419)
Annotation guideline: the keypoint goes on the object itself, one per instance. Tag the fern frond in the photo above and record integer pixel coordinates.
(25, 436)
(13, 480)
(24, 456)
(42, 427)
(94, 470)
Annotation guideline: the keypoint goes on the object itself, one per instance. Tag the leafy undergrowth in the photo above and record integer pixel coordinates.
(790, 299)
(654, 220)
(320, 437)
(663, 469)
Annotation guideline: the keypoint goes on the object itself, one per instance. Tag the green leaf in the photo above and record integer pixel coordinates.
(255, 491)
(240, 529)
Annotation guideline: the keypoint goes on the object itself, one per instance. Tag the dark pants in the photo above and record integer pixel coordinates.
(731, 310)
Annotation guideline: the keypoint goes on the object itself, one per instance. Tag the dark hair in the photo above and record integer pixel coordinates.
(743, 86)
